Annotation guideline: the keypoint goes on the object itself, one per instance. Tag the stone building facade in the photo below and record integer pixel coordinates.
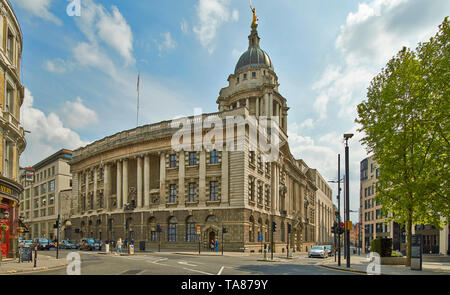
(12, 139)
(39, 202)
(132, 183)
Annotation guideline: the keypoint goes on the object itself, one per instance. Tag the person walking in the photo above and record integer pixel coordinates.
(119, 246)
(217, 245)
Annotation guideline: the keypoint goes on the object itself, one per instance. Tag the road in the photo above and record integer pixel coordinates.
(160, 263)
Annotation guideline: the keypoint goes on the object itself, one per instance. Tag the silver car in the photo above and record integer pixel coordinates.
(318, 251)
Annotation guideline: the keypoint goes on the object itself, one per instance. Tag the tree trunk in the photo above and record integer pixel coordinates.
(408, 241)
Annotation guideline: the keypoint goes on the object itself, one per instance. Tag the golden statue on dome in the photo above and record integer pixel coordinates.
(255, 17)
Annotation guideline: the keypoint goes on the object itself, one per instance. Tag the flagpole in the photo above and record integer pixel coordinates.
(137, 112)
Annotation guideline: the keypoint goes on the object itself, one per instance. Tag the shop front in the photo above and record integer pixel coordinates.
(9, 214)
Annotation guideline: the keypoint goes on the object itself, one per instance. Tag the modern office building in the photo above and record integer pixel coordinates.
(375, 225)
(12, 137)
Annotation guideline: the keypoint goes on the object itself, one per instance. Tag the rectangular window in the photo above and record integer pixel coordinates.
(44, 201)
(91, 201)
(254, 75)
(45, 173)
(53, 171)
(252, 157)
(267, 196)
(154, 236)
(214, 157)
(191, 232)
(192, 158)
(36, 203)
(173, 193)
(10, 99)
(251, 189)
(43, 188)
(43, 212)
(36, 213)
(27, 193)
(213, 191)
(51, 186)
(377, 172)
(51, 199)
(172, 237)
(173, 161)
(101, 200)
(245, 76)
(10, 47)
(51, 211)
(192, 192)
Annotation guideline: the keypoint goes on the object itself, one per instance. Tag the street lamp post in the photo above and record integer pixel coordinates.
(338, 213)
(347, 197)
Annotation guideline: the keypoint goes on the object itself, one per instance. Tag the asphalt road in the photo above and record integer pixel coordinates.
(162, 263)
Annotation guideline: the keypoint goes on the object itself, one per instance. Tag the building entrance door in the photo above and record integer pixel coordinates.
(4, 231)
(212, 238)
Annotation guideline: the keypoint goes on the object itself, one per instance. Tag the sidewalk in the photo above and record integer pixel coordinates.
(359, 264)
(44, 262)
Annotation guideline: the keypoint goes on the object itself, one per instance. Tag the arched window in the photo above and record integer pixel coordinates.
(191, 233)
(172, 234)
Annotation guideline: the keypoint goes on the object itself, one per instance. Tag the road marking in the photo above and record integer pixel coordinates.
(185, 263)
(199, 271)
(220, 271)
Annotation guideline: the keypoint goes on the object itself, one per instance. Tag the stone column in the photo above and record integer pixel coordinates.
(119, 184)
(95, 188)
(107, 185)
(266, 104)
(270, 104)
(86, 190)
(125, 182)
(247, 104)
(257, 107)
(224, 186)
(162, 178)
(181, 174)
(139, 182)
(146, 180)
(202, 179)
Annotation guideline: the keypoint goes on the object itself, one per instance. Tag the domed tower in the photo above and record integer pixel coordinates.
(254, 85)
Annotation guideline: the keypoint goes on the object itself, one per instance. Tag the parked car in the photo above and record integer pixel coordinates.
(100, 243)
(42, 244)
(330, 250)
(51, 244)
(28, 243)
(89, 244)
(66, 244)
(318, 251)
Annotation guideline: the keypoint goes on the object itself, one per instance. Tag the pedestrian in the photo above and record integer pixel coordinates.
(119, 245)
(217, 245)
(211, 246)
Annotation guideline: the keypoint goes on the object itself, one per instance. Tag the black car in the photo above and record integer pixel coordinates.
(42, 244)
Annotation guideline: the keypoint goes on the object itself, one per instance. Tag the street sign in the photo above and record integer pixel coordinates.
(416, 252)
(260, 238)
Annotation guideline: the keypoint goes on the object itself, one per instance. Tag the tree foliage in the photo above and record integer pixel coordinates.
(406, 124)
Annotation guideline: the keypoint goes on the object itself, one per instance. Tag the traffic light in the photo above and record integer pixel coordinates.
(274, 226)
(341, 230)
(158, 228)
(333, 229)
(289, 228)
(224, 230)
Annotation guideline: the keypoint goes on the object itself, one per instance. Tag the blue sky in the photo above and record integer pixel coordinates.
(80, 72)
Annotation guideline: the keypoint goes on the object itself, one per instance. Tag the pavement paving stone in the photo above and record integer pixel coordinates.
(44, 262)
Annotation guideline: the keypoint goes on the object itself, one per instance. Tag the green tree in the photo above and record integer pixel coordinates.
(406, 124)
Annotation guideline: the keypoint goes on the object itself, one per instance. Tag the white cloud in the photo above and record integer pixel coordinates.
(48, 134)
(114, 31)
(211, 15)
(77, 116)
(111, 28)
(57, 66)
(184, 26)
(368, 39)
(39, 8)
(167, 44)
